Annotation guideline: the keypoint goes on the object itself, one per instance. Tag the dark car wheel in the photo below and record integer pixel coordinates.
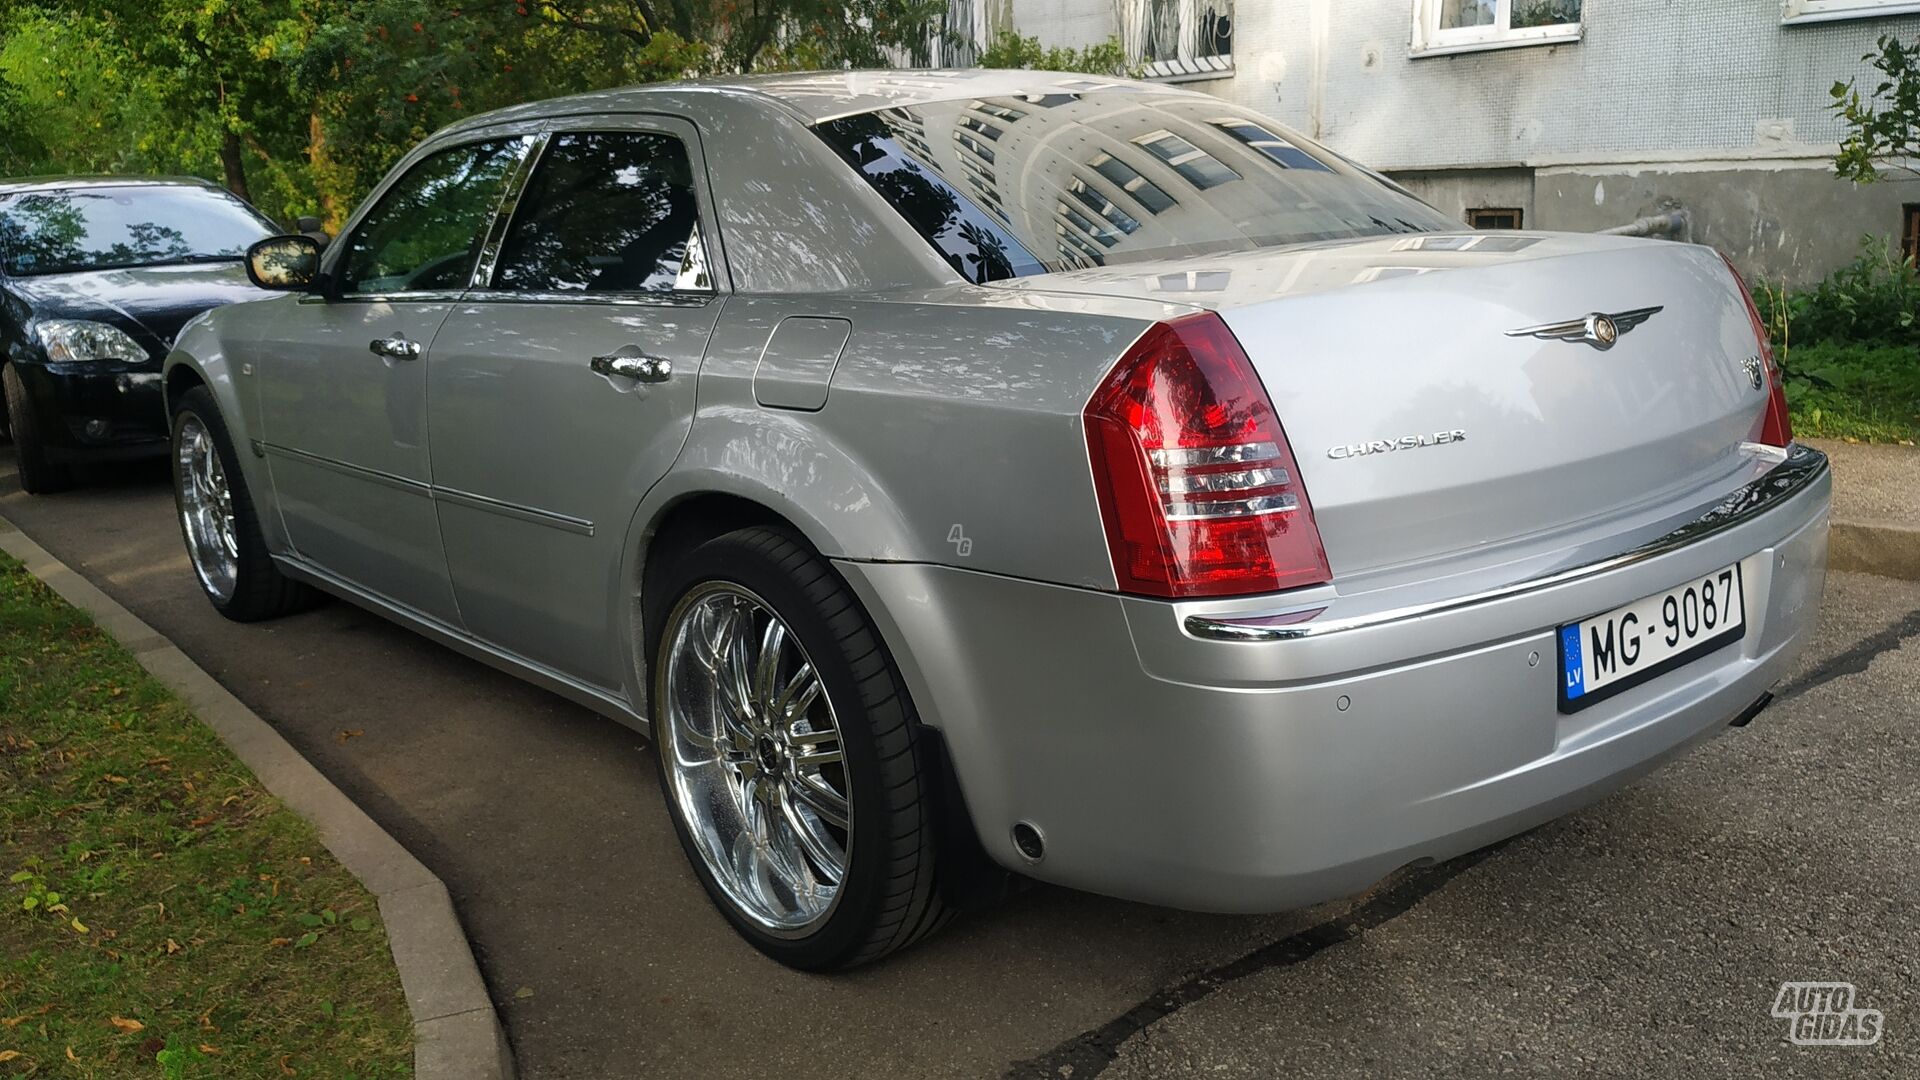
(38, 476)
(785, 739)
(219, 522)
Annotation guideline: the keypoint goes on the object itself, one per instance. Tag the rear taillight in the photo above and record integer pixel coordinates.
(1197, 486)
(1777, 428)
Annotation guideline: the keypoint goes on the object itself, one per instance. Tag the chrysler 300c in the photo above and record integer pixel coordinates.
(969, 472)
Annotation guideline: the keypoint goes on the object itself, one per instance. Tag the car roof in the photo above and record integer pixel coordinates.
(815, 96)
(12, 185)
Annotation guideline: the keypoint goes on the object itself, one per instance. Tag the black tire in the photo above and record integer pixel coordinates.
(260, 590)
(889, 896)
(38, 476)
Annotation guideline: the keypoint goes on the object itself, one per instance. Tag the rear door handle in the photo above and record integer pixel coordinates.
(395, 347)
(638, 368)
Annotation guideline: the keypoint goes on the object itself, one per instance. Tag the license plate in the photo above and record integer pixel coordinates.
(1604, 655)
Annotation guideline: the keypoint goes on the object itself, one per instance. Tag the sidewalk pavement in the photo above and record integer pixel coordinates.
(1876, 507)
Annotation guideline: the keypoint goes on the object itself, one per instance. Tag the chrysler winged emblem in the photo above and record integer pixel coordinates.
(1600, 329)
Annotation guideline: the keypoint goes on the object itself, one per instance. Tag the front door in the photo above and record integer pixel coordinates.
(343, 385)
(564, 389)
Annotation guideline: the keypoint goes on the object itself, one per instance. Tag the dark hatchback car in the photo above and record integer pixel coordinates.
(97, 276)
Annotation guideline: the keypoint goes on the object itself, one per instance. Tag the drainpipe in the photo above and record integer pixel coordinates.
(1672, 225)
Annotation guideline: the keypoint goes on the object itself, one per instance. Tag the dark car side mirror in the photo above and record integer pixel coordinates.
(284, 263)
(309, 225)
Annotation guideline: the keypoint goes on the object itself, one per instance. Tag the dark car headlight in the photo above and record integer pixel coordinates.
(69, 340)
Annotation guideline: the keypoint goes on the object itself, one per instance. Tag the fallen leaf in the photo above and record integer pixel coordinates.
(352, 733)
(9, 1055)
(202, 822)
(112, 779)
(16, 1021)
(279, 941)
(172, 946)
(523, 993)
(78, 926)
(209, 1048)
(70, 1056)
(126, 1025)
(283, 1064)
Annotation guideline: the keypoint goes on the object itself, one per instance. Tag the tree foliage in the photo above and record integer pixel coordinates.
(1882, 127)
(301, 105)
(1008, 49)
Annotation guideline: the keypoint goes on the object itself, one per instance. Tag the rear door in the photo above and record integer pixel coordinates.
(343, 380)
(563, 389)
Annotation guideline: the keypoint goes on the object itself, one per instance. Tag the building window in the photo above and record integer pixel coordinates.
(1128, 179)
(1103, 206)
(1453, 26)
(1283, 153)
(1179, 40)
(1201, 168)
(1910, 232)
(1494, 218)
(1807, 11)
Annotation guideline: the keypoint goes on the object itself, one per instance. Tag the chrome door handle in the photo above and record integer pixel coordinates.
(396, 347)
(639, 368)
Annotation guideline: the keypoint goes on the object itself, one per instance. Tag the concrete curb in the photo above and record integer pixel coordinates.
(457, 1035)
(1886, 550)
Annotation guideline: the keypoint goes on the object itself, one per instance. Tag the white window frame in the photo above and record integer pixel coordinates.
(1818, 11)
(1429, 39)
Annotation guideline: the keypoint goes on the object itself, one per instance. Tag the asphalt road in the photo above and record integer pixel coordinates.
(1644, 936)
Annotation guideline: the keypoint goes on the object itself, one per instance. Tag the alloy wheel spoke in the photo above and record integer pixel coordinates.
(828, 865)
(816, 796)
(813, 749)
(766, 667)
(801, 692)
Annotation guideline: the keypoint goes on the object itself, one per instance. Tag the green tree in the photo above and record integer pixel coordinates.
(1882, 128)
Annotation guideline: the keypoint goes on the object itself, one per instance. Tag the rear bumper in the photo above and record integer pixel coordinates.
(1277, 771)
(99, 410)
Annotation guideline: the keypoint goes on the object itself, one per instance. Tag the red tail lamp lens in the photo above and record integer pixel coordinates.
(1198, 489)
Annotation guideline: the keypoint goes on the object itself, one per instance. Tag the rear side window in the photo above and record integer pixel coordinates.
(1018, 185)
(606, 212)
(424, 234)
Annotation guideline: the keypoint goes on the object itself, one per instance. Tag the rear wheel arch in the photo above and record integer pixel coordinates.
(971, 878)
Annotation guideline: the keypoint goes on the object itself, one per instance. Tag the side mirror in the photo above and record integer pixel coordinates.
(284, 263)
(309, 225)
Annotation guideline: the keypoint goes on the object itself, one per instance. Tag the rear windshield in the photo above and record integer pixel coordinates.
(97, 228)
(1010, 186)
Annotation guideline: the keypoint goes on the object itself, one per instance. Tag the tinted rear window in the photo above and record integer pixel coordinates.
(1010, 186)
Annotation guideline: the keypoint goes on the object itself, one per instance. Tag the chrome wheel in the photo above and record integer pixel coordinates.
(206, 509)
(754, 758)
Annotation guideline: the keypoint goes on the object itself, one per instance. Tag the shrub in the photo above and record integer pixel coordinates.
(1875, 300)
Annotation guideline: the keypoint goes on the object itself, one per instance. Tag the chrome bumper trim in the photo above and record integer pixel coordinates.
(1801, 467)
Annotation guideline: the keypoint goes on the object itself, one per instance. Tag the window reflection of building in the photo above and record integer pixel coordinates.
(1084, 175)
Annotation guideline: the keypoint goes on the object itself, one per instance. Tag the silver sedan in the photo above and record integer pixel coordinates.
(973, 474)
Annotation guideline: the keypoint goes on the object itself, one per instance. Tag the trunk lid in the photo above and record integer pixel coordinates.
(1424, 428)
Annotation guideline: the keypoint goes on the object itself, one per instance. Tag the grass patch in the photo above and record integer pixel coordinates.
(1870, 392)
(162, 915)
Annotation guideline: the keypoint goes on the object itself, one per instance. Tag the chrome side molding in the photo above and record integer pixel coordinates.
(1801, 467)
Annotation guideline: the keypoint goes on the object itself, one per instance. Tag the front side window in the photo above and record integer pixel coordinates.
(425, 232)
(101, 228)
(1112, 176)
(606, 212)
(1443, 26)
